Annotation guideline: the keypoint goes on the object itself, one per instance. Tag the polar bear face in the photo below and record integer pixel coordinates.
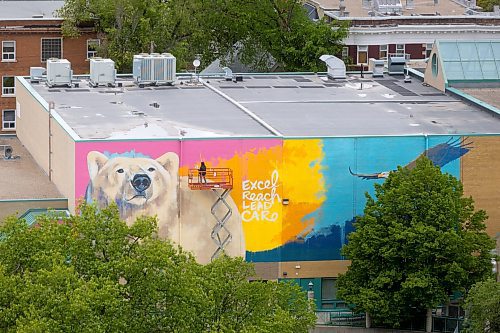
(135, 184)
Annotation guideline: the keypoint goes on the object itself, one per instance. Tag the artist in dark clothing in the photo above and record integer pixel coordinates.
(202, 172)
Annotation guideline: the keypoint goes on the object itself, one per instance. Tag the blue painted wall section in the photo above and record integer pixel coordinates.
(350, 167)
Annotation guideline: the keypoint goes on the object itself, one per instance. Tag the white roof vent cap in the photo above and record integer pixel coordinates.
(335, 66)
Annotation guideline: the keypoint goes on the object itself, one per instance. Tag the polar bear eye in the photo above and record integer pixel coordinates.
(120, 171)
(151, 169)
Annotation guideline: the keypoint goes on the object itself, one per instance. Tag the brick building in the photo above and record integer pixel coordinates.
(378, 28)
(29, 35)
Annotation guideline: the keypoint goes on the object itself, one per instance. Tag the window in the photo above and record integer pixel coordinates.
(51, 48)
(345, 52)
(434, 63)
(8, 85)
(328, 293)
(362, 54)
(8, 51)
(383, 52)
(400, 49)
(9, 119)
(428, 50)
(92, 46)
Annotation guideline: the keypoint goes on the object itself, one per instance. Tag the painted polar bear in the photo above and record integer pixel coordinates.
(144, 186)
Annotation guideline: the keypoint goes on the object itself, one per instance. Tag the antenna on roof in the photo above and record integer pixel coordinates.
(196, 64)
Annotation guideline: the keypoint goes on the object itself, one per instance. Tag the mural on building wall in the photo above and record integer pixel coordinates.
(151, 178)
(440, 155)
(293, 199)
(341, 168)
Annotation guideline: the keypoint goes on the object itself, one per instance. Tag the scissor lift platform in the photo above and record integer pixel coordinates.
(215, 178)
(220, 181)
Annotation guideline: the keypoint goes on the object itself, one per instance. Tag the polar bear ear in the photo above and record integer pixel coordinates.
(95, 162)
(170, 161)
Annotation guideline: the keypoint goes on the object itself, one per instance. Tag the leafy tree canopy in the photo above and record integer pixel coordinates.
(418, 242)
(487, 5)
(261, 33)
(483, 305)
(93, 273)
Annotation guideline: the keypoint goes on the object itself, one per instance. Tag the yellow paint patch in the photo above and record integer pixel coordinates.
(304, 186)
(262, 179)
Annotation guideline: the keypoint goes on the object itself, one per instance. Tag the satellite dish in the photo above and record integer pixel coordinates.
(196, 63)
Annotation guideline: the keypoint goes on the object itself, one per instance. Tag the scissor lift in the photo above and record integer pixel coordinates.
(220, 181)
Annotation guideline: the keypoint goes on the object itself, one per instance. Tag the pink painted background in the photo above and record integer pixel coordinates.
(190, 152)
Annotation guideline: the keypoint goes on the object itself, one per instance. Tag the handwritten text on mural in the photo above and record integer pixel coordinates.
(258, 199)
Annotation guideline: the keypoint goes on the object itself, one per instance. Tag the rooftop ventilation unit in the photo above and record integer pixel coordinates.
(59, 72)
(376, 66)
(388, 6)
(335, 66)
(36, 74)
(102, 72)
(228, 73)
(396, 64)
(154, 69)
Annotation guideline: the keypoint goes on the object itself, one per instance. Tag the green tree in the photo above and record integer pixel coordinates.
(261, 33)
(93, 273)
(487, 5)
(483, 307)
(416, 244)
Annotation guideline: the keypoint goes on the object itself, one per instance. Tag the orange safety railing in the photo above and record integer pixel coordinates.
(214, 178)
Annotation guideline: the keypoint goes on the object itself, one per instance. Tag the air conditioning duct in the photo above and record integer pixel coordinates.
(102, 72)
(335, 66)
(154, 68)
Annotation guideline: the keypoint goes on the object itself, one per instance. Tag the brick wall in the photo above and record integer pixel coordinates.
(28, 35)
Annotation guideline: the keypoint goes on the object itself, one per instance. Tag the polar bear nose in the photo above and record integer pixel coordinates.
(141, 182)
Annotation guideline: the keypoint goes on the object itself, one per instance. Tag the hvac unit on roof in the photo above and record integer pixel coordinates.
(59, 72)
(396, 64)
(154, 68)
(36, 74)
(102, 72)
(376, 66)
(335, 66)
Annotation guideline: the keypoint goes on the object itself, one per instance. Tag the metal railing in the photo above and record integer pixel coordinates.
(213, 178)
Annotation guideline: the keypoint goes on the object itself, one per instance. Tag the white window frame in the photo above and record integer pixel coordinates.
(345, 52)
(8, 56)
(360, 49)
(399, 50)
(41, 47)
(7, 123)
(8, 91)
(92, 53)
(428, 49)
(386, 50)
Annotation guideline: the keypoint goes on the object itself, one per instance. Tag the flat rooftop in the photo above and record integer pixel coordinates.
(266, 106)
(419, 7)
(488, 95)
(22, 177)
(28, 9)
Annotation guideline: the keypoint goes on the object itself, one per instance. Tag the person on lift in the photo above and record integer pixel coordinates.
(202, 173)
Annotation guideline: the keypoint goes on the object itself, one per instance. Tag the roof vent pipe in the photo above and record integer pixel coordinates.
(228, 73)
